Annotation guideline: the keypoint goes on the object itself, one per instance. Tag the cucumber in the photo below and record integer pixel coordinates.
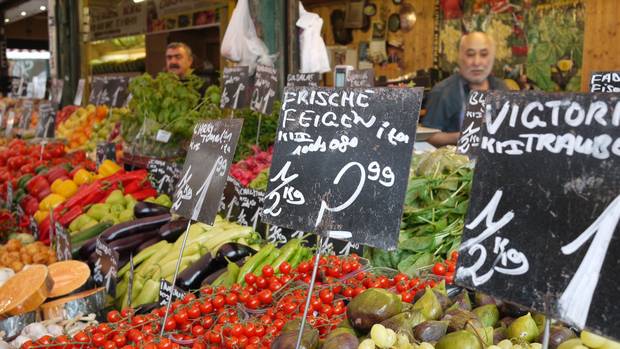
(91, 232)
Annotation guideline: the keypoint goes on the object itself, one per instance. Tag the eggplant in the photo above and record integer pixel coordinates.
(144, 209)
(126, 229)
(234, 252)
(147, 243)
(129, 244)
(88, 248)
(147, 308)
(173, 229)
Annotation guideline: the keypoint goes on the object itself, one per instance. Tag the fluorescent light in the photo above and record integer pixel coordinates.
(42, 8)
(22, 54)
(137, 1)
(23, 13)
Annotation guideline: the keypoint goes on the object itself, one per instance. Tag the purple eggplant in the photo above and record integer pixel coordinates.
(140, 225)
(144, 209)
(129, 244)
(173, 229)
(233, 252)
(147, 243)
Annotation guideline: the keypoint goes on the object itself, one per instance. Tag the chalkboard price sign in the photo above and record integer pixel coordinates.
(63, 243)
(32, 224)
(106, 267)
(204, 174)
(105, 151)
(605, 82)
(166, 291)
(47, 121)
(303, 80)
(27, 110)
(236, 90)
(542, 227)
(109, 90)
(264, 92)
(360, 78)
(341, 162)
(469, 139)
(164, 175)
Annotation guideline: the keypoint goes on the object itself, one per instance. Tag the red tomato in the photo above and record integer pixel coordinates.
(439, 269)
(268, 271)
(285, 268)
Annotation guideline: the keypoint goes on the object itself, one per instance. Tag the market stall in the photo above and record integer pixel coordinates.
(161, 211)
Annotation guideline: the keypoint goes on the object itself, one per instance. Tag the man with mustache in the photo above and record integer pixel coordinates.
(447, 100)
(179, 59)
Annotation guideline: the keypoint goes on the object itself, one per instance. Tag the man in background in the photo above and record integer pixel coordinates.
(447, 100)
(179, 59)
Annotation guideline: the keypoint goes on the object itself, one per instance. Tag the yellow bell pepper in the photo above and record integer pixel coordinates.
(82, 177)
(51, 201)
(108, 168)
(39, 216)
(55, 187)
(67, 188)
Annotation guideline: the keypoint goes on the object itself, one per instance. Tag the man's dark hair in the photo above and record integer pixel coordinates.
(187, 49)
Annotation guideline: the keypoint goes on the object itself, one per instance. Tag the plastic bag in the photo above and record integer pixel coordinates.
(240, 42)
(314, 57)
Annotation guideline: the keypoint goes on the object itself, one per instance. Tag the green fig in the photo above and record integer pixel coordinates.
(488, 314)
(404, 322)
(459, 340)
(430, 331)
(371, 307)
(458, 318)
(523, 328)
(341, 338)
(429, 305)
(462, 301)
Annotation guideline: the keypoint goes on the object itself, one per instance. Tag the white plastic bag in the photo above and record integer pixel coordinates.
(240, 42)
(314, 57)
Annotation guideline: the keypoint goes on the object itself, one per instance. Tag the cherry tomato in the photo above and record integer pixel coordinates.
(150, 346)
(109, 345)
(285, 268)
(126, 312)
(268, 271)
(407, 297)
(253, 303)
(265, 296)
(451, 266)
(119, 340)
(218, 302)
(244, 296)
(81, 337)
(278, 323)
(304, 267)
(181, 317)
(205, 307)
(198, 330)
(454, 255)
(236, 330)
(214, 337)
(170, 325)
(165, 343)
(439, 269)
(193, 312)
(231, 299)
(261, 282)
(450, 278)
(250, 278)
(347, 292)
(114, 316)
(326, 295)
(232, 343)
(188, 298)
(275, 285)
(98, 339)
(104, 328)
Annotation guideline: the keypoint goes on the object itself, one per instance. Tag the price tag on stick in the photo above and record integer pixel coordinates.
(605, 82)
(469, 139)
(10, 122)
(47, 118)
(303, 79)
(236, 88)
(264, 92)
(204, 174)
(542, 227)
(27, 111)
(34, 227)
(164, 175)
(360, 78)
(341, 162)
(169, 293)
(109, 90)
(63, 243)
(105, 151)
(106, 267)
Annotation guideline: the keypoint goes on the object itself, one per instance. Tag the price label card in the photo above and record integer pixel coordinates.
(542, 227)
(605, 82)
(106, 267)
(338, 154)
(47, 120)
(163, 136)
(236, 88)
(469, 139)
(105, 151)
(264, 92)
(10, 122)
(57, 89)
(360, 78)
(63, 243)
(166, 290)
(27, 110)
(164, 175)
(34, 227)
(303, 80)
(109, 90)
(204, 174)
(79, 93)
(39, 86)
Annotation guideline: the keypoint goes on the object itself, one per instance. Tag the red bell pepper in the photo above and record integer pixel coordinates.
(56, 172)
(44, 229)
(35, 182)
(133, 186)
(43, 194)
(70, 215)
(144, 194)
(83, 193)
(30, 205)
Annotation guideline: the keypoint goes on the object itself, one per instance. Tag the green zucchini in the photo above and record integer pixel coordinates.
(91, 232)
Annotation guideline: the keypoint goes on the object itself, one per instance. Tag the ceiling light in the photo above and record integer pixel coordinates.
(42, 8)
(6, 20)
(137, 1)
(23, 13)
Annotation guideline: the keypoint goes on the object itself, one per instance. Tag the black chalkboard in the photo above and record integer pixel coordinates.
(27, 110)
(541, 230)
(207, 163)
(605, 82)
(166, 291)
(236, 88)
(164, 175)
(341, 162)
(360, 78)
(47, 121)
(264, 91)
(105, 151)
(63, 243)
(469, 139)
(106, 266)
(109, 90)
(303, 80)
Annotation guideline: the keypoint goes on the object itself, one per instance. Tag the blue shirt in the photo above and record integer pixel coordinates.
(445, 107)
